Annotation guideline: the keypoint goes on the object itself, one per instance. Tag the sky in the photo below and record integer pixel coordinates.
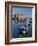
(26, 11)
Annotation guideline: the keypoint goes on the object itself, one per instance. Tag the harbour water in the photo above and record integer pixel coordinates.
(15, 29)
